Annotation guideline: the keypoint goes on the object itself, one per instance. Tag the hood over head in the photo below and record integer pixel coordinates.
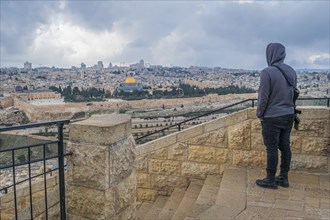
(275, 53)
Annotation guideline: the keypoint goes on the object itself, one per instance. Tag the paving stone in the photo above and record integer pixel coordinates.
(248, 213)
(312, 202)
(295, 214)
(317, 193)
(325, 204)
(303, 178)
(289, 205)
(325, 182)
(297, 194)
(219, 212)
(268, 197)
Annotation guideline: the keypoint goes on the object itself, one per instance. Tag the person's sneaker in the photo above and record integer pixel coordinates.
(267, 183)
(282, 181)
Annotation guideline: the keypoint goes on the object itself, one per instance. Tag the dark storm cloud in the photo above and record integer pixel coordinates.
(19, 20)
(211, 33)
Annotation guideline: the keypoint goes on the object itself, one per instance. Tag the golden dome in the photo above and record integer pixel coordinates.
(130, 80)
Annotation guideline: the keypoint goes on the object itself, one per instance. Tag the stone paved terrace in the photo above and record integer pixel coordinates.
(236, 196)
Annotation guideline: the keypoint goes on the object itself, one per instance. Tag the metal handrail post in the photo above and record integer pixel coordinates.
(61, 171)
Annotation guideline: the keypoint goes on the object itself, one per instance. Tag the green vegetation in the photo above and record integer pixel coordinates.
(84, 95)
(182, 91)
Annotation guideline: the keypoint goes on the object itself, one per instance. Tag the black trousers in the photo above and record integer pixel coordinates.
(276, 135)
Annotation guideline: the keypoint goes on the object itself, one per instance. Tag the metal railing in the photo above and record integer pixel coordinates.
(13, 163)
(161, 132)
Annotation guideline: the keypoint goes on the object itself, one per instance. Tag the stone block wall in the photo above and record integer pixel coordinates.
(233, 140)
(7, 208)
(101, 182)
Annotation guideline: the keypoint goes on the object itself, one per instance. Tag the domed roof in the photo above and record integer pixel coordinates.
(130, 80)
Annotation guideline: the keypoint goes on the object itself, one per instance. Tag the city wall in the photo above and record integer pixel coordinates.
(37, 113)
(7, 210)
(6, 102)
(234, 140)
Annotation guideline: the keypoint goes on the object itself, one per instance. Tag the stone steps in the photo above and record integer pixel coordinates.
(236, 196)
(142, 210)
(188, 199)
(231, 197)
(156, 208)
(172, 204)
(214, 198)
(206, 197)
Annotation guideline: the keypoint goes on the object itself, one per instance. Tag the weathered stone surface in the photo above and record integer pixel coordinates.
(249, 158)
(313, 128)
(164, 182)
(235, 118)
(146, 194)
(144, 149)
(178, 151)
(214, 124)
(164, 167)
(159, 154)
(164, 141)
(126, 214)
(295, 144)
(316, 146)
(257, 143)
(252, 113)
(122, 159)
(141, 163)
(190, 133)
(239, 136)
(256, 126)
(307, 162)
(89, 165)
(143, 180)
(216, 139)
(315, 113)
(101, 129)
(88, 202)
(199, 170)
(125, 193)
(207, 154)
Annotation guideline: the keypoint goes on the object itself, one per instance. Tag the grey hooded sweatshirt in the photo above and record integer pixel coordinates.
(275, 95)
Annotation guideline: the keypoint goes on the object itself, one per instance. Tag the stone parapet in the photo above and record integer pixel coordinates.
(233, 140)
(101, 181)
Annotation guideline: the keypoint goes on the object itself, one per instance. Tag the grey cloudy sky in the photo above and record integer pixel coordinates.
(231, 34)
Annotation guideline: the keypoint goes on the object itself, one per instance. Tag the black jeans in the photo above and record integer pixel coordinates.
(276, 135)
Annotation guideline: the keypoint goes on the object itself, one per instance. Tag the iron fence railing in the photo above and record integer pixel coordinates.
(245, 103)
(14, 158)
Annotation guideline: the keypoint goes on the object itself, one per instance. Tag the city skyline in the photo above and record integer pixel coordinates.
(213, 33)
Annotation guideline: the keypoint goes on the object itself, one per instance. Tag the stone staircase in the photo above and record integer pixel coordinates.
(235, 196)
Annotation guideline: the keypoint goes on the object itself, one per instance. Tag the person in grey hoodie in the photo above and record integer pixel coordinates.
(276, 113)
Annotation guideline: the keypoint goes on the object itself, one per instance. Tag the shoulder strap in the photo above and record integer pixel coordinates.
(285, 76)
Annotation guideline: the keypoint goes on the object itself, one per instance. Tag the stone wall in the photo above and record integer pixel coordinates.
(37, 113)
(7, 210)
(101, 182)
(233, 140)
(6, 102)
